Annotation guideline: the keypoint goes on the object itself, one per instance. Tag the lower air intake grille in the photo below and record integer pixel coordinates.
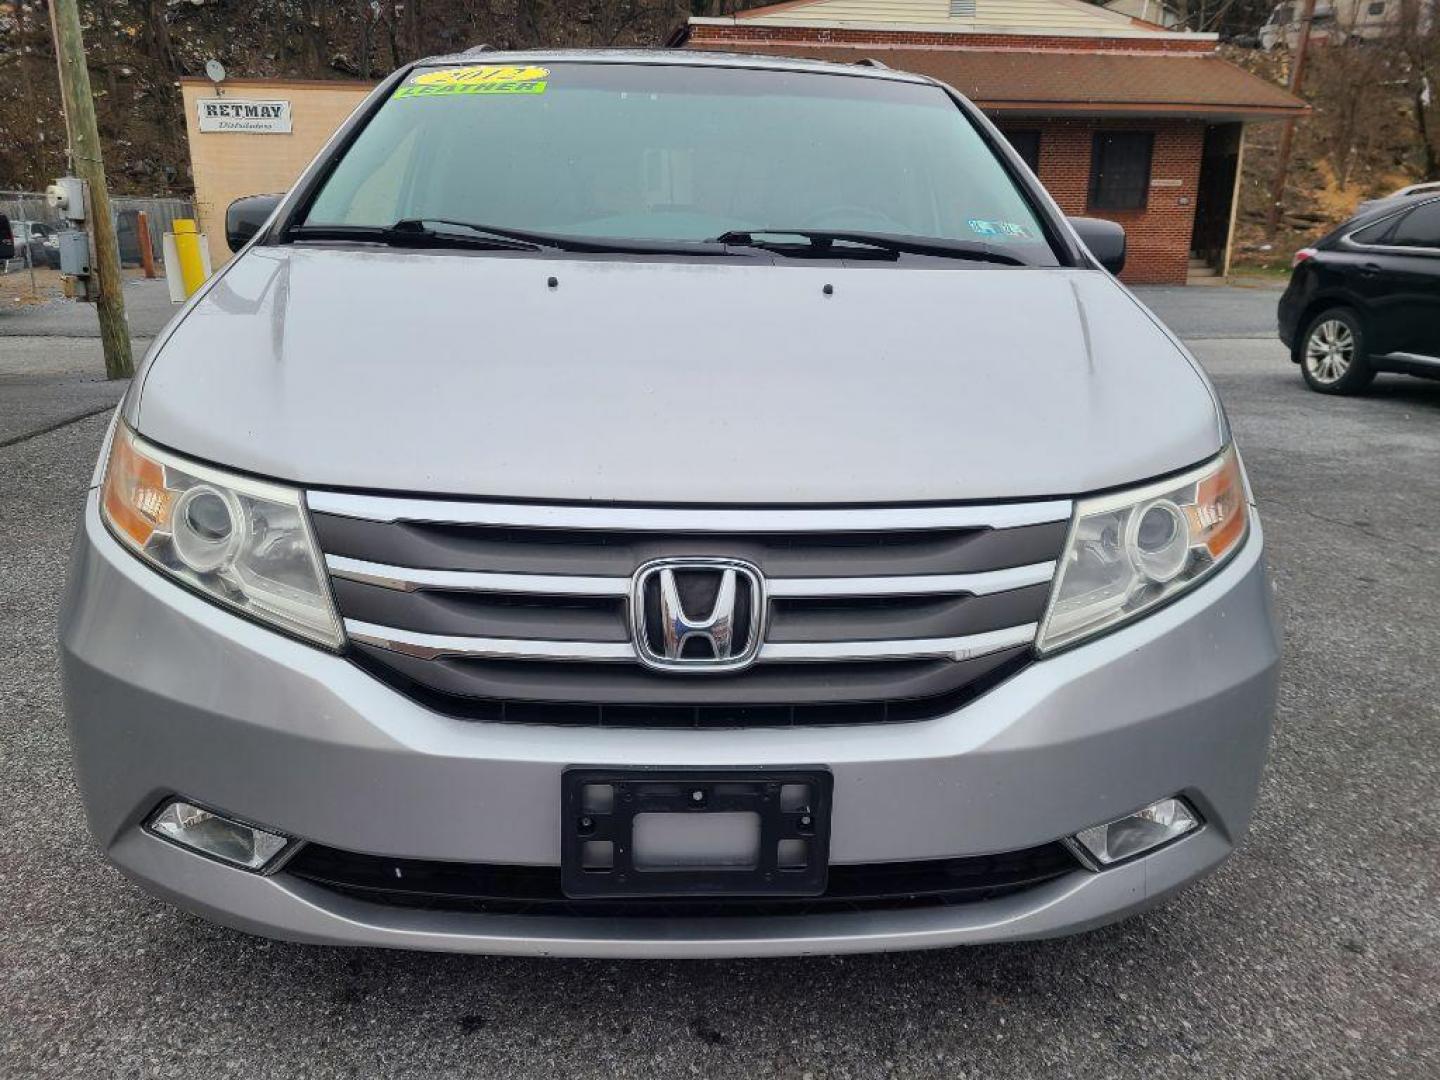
(535, 890)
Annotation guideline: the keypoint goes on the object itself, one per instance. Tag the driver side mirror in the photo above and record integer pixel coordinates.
(245, 217)
(1105, 239)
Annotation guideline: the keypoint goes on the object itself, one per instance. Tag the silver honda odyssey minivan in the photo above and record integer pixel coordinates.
(667, 504)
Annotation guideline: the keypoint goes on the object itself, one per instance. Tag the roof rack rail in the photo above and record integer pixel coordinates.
(870, 61)
(476, 50)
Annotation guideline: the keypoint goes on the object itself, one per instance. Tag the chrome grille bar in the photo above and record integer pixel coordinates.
(955, 648)
(409, 579)
(681, 520)
(433, 646)
(982, 583)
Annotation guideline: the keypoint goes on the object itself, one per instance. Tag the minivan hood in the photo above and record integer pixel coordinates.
(674, 381)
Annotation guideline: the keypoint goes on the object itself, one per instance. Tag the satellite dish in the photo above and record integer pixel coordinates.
(215, 71)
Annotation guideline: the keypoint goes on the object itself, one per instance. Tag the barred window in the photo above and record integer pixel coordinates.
(1120, 170)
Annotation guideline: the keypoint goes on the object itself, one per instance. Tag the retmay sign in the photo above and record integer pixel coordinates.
(254, 117)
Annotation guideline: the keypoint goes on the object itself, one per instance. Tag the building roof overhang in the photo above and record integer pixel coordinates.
(959, 29)
(1078, 83)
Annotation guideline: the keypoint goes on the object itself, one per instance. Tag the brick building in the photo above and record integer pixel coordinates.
(1119, 118)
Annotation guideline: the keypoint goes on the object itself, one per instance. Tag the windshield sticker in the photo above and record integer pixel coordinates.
(998, 230)
(480, 79)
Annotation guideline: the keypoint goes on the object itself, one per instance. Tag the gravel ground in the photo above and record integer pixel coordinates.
(1315, 952)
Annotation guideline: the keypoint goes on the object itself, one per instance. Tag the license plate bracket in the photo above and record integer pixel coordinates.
(599, 807)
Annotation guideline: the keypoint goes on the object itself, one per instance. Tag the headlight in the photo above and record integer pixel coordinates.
(1135, 549)
(243, 543)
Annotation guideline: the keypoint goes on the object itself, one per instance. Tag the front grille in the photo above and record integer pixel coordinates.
(535, 890)
(521, 613)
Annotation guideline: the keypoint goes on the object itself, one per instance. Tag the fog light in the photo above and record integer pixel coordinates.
(207, 832)
(1137, 833)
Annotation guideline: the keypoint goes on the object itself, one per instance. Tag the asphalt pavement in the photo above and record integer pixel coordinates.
(52, 369)
(1314, 952)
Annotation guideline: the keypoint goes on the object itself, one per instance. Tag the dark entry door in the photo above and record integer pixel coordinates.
(1219, 160)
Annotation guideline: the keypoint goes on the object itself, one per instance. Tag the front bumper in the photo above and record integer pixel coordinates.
(168, 694)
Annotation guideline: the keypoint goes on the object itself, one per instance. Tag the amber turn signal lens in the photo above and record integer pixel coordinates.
(1217, 517)
(136, 500)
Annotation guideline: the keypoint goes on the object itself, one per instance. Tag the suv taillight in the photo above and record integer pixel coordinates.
(1302, 255)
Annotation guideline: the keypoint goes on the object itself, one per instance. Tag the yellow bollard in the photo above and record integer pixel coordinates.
(187, 247)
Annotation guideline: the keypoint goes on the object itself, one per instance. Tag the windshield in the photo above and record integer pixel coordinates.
(682, 153)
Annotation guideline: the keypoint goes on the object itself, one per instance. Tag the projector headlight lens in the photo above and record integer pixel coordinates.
(1129, 552)
(207, 528)
(243, 543)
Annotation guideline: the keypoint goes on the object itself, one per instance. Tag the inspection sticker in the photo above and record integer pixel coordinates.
(479, 79)
(998, 230)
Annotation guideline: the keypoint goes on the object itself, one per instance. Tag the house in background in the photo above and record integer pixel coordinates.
(1120, 118)
(1169, 14)
(1341, 21)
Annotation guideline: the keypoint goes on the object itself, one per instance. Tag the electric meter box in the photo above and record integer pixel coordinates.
(74, 253)
(67, 195)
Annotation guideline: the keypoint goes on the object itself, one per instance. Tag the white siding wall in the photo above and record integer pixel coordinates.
(1026, 14)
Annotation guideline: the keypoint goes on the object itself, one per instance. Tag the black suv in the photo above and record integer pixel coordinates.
(1366, 298)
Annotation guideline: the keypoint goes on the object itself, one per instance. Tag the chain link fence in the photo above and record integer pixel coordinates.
(160, 212)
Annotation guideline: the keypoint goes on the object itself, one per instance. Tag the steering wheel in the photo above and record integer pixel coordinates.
(844, 217)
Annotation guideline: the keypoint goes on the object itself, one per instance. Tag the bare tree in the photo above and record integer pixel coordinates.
(1350, 90)
(1416, 41)
(138, 49)
(312, 33)
(157, 31)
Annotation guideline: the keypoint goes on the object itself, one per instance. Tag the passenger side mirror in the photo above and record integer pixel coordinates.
(1105, 239)
(244, 218)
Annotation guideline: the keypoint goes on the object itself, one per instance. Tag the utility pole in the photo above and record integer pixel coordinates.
(88, 164)
(1287, 135)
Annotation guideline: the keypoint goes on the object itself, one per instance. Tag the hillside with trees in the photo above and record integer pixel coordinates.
(1375, 125)
(138, 49)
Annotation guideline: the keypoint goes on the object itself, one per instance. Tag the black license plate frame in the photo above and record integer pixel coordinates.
(770, 793)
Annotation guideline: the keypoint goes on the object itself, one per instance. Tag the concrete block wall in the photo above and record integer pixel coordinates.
(227, 165)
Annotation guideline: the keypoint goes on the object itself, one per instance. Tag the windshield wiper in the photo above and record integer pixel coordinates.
(417, 233)
(833, 244)
(423, 233)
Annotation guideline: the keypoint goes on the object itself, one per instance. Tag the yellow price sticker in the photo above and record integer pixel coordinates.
(477, 79)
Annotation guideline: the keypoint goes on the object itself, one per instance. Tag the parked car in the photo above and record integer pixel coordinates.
(583, 510)
(41, 241)
(1431, 187)
(7, 240)
(1366, 299)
